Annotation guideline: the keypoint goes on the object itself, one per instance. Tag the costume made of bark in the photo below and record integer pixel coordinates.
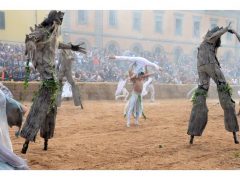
(64, 69)
(41, 45)
(209, 67)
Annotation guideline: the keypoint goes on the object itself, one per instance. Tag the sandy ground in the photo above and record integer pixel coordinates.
(97, 138)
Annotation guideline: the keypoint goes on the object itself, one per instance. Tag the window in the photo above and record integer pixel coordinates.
(82, 17)
(2, 20)
(137, 21)
(158, 24)
(196, 29)
(178, 26)
(112, 18)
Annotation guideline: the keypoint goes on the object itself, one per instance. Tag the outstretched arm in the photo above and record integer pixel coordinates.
(72, 47)
(123, 58)
(147, 75)
(234, 32)
(218, 34)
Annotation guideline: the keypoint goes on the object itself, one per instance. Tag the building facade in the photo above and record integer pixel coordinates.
(169, 33)
(14, 24)
(165, 32)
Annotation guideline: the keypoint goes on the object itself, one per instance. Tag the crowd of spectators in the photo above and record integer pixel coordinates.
(95, 66)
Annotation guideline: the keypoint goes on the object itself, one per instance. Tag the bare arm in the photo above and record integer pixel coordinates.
(147, 75)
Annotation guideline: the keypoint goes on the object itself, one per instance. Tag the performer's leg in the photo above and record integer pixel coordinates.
(48, 126)
(139, 109)
(60, 79)
(199, 113)
(36, 116)
(126, 94)
(130, 108)
(152, 91)
(75, 90)
(227, 104)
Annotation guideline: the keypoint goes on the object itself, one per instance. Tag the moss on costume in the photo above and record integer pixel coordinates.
(198, 92)
(225, 88)
(27, 75)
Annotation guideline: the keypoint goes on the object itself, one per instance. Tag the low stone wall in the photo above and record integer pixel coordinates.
(106, 90)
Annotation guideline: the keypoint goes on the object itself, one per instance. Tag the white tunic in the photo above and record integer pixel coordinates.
(4, 133)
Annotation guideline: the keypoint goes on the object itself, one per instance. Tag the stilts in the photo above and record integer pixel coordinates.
(25, 147)
(191, 139)
(45, 144)
(235, 138)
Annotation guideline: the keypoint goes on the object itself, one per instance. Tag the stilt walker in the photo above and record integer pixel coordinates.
(238, 37)
(64, 69)
(209, 67)
(41, 45)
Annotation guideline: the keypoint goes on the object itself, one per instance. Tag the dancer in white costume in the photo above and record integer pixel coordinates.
(67, 90)
(10, 161)
(121, 89)
(148, 87)
(137, 73)
(9, 115)
(139, 63)
(4, 134)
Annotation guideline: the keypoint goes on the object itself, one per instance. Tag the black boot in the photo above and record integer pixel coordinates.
(25, 147)
(235, 138)
(45, 144)
(191, 139)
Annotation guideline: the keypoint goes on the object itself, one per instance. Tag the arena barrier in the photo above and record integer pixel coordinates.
(106, 90)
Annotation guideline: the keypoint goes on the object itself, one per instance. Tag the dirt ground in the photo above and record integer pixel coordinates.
(97, 138)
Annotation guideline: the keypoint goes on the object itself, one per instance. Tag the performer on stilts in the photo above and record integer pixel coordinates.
(209, 67)
(41, 45)
(238, 37)
(64, 69)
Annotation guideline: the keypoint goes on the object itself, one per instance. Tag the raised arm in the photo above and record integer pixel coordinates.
(217, 34)
(234, 32)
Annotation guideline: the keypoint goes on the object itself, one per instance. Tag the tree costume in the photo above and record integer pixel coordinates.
(64, 68)
(209, 67)
(41, 45)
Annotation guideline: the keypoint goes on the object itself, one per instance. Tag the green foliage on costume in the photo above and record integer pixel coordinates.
(53, 86)
(225, 88)
(197, 93)
(27, 75)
